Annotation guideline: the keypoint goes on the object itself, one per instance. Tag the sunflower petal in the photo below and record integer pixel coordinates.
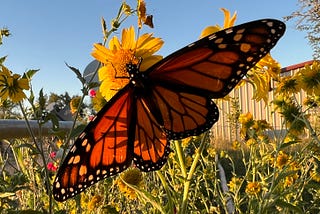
(149, 61)
(128, 39)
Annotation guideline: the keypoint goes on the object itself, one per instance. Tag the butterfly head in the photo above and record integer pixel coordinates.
(137, 78)
(133, 67)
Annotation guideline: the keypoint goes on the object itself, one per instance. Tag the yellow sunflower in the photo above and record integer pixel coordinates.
(309, 79)
(132, 176)
(253, 188)
(12, 85)
(113, 74)
(228, 22)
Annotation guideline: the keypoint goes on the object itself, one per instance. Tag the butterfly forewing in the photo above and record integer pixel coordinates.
(101, 150)
(185, 81)
(213, 65)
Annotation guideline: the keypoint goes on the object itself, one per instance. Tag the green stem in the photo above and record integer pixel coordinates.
(73, 126)
(181, 158)
(190, 174)
(40, 149)
(166, 188)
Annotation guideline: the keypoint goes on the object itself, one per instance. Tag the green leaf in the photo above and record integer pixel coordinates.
(93, 85)
(78, 73)
(284, 174)
(59, 133)
(42, 100)
(29, 74)
(109, 209)
(31, 147)
(147, 196)
(2, 59)
(284, 145)
(55, 122)
(313, 185)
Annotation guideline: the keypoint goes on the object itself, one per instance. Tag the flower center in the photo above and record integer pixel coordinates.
(120, 60)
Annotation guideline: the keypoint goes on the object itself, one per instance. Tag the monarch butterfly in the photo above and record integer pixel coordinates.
(171, 100)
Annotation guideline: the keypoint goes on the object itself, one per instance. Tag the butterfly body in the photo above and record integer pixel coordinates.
(171, 100)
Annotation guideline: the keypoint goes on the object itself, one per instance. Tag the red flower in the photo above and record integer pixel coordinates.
(91, 117)
(53, 155)
(92, 93)
(52, 167)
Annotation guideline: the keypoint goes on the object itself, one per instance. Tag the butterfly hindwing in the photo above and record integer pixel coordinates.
(151, 146)
(184, 112)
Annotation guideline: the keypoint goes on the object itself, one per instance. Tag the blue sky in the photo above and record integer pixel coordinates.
(46, 34)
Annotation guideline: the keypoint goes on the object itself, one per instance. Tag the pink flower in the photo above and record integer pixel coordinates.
(91, 117)
(52, 167)
(53, 155)
(92, 93)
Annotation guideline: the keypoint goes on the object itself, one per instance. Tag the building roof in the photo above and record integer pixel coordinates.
(296, 66)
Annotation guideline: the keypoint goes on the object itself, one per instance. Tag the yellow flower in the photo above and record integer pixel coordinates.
(282, 159)
(270, 66)
(245, 118)
(236, 145)
(251, 142)
(126, 8)
(311, 101)
(212, 152)
(289, 180)
(98, 101)
(288, 85)
(189, 161)
(74, 104)
(315, 174)
(93, 203)
(260, 76)
(113, 74)
(228, 22)
(185, 141)
(132, 176)
(12, 85)
(290, 110)
(253, 188)
(59, 143)
(309, 78)
(235, 184)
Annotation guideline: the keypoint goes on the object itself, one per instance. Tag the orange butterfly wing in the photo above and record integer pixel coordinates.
(151, 146)
(122, 132)
(185, 81)
(101, 150)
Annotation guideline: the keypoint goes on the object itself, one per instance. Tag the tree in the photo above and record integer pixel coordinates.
(308, 19)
